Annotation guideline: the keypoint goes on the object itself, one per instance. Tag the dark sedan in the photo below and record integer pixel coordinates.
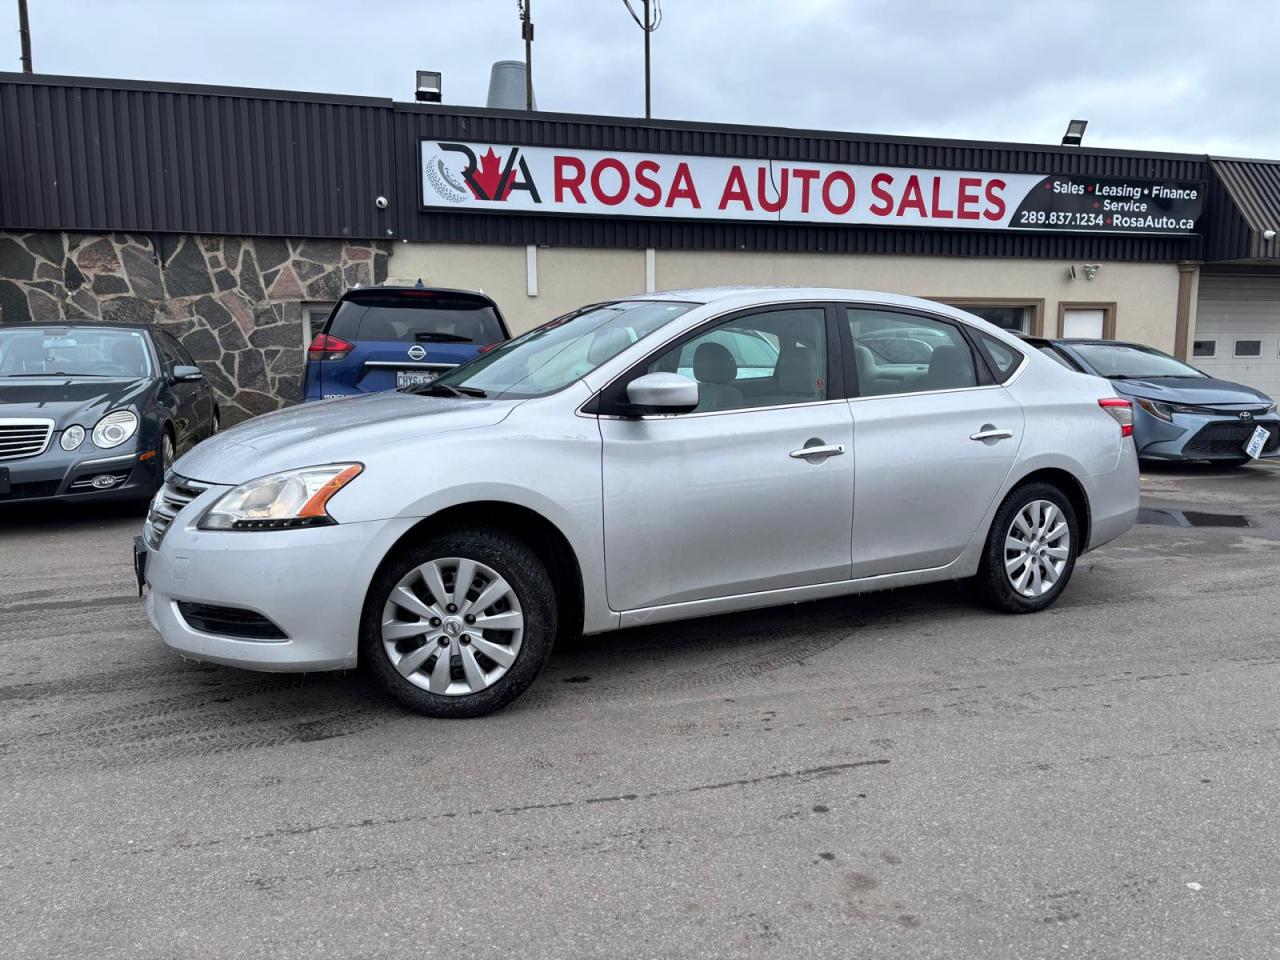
(92, 411)
(1179, 412)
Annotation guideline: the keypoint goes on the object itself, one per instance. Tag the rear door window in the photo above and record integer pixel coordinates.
(441, 320)
(905, 353)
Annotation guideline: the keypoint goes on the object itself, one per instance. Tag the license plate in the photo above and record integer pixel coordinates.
(140, 563)
(414, 378)
(1259, 440)
(5, 486)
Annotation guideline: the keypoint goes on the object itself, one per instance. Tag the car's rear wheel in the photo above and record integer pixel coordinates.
(460, 625)
(1031, 549)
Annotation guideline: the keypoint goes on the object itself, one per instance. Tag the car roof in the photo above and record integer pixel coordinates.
(395, 288)
(1072, 341)
(75, 324)
(746, 296)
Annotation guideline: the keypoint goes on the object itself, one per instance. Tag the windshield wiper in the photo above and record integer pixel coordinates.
(441, 337)
(445, 390)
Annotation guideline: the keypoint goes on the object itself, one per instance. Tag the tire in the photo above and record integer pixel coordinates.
(486, 670)
(1000, 576)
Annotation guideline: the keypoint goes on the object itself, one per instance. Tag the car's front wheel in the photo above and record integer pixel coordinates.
(459, 625)
(1031, 549)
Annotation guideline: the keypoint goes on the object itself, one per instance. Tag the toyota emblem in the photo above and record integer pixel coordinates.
(417, 352)
(1246, 415)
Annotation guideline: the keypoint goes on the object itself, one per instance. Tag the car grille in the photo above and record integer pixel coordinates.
(1228, 440)
(24, 438)
(229, 621)
(176, 493)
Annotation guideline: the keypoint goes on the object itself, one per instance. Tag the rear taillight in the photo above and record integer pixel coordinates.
(491, 346)
(326, 347)
(1122, 411)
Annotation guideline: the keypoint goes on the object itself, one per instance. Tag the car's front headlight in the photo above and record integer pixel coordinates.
(115, 428)
(72, 437)
(294, 498)
(1162, 411)
(1270, 409)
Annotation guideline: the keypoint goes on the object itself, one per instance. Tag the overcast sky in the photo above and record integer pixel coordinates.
(1155, 74)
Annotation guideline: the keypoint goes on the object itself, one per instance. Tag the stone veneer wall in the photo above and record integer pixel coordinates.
(234, 302)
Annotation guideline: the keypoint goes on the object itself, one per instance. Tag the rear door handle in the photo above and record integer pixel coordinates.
(818, 450)
(991, 433)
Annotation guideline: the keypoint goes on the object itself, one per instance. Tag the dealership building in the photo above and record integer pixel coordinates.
(236, 217)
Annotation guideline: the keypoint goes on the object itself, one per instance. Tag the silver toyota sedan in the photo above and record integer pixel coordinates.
(652, 458)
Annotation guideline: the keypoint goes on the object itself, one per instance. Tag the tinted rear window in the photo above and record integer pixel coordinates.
(404, 321)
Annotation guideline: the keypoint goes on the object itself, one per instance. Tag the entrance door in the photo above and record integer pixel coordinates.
(724, 500)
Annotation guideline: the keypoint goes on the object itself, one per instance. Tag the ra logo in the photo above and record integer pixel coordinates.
(487, 177)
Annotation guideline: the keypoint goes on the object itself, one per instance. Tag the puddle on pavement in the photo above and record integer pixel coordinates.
(1189, 518)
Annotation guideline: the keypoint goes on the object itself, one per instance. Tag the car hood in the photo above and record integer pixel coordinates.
(1195, 391)
(68, 400)
(332, 431)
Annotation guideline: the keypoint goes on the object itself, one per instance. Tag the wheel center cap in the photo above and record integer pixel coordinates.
(453, 626)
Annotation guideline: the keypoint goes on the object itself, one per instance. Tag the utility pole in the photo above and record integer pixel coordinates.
(24, 34)
(648, 19)
(647, 30)
(526, 31)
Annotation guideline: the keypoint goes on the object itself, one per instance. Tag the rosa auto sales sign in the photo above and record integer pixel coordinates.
(552, 180)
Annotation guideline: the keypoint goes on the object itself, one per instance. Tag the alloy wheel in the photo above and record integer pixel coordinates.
(166, 453)
(452, 626)
(1036, 548)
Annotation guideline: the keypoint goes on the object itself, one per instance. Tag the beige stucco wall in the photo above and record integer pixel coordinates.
(1146, 295)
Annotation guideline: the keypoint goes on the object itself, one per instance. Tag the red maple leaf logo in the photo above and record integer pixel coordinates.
(489, 179)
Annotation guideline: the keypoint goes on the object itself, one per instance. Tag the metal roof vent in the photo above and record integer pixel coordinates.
(507, 86)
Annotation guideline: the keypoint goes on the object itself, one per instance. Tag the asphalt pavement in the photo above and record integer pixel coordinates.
(901, 775)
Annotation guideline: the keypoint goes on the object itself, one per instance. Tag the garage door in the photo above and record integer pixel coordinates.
(1238, 330)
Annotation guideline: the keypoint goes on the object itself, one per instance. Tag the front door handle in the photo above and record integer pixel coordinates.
(818, 449)
(989, 432)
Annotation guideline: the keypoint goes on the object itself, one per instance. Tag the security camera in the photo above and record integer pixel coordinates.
(381, 203)
(1268, 234)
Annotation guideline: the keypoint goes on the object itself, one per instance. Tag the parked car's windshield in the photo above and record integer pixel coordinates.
(556, 354)
(1126, 361)
(31, 351)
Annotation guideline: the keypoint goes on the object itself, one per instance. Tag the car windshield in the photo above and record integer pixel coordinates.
(554, 355)
(32, 351)
(1128, 361)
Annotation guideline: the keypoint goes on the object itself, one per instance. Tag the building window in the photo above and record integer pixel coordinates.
(313, 317)
(1248, 348)
(1087, 321)
(1017, 316)
(1204, 348)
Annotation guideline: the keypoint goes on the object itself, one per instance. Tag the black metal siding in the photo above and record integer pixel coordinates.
(1246, 202)
(112, 155)
(89, 157)
(436, 123)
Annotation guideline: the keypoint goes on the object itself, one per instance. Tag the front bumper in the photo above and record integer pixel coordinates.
(309, 582)
(59, 475)
(1200, 437)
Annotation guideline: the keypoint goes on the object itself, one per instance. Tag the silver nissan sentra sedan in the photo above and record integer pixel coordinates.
(652, 458)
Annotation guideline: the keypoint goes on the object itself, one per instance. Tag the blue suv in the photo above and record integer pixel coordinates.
(383, 338)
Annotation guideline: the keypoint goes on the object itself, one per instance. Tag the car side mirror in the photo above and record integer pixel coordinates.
(663, 393)
(183, 373)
